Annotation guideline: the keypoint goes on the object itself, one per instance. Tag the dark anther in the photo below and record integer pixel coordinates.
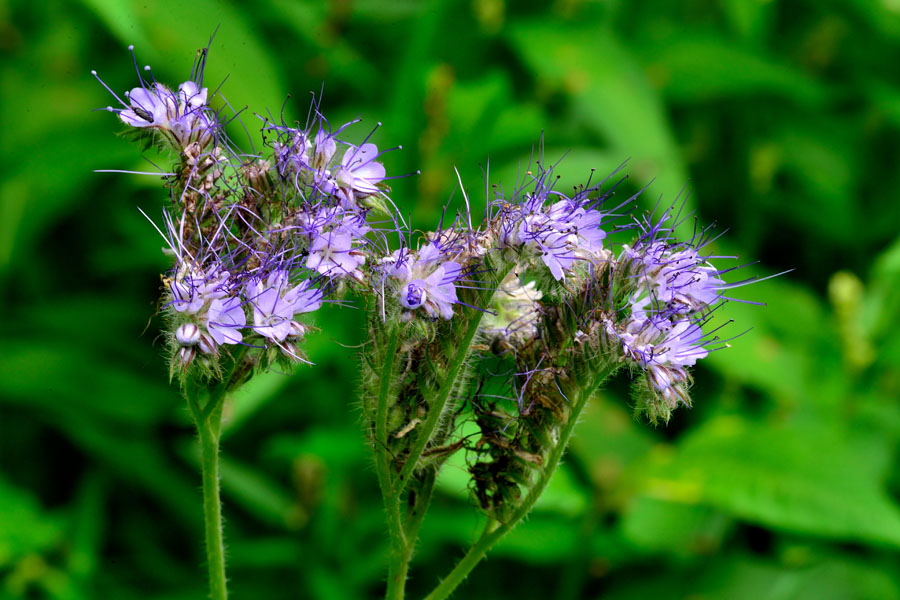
(142, 113)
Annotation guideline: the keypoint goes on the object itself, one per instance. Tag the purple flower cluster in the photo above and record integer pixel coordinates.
(673, 290)
(212, 291)
(332, 217)
(561, 229)
(259, 240)
(310, 162)
(209, 315)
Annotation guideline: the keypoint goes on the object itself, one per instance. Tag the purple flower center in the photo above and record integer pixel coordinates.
(415, 296)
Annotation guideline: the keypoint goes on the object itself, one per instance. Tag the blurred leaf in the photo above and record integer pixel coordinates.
(541, 539)
(675, 528)
(265, 553)
(48, 181)
(608, 440)
(88, 523)
(791, 351)
(251, 398)
(883, 16)
(261, 496)
(882, 302)
(750, 18)
(885, 99)
(744, 577)
(24, 527)
(613, 96)
(807, 479)
(823, 160)
(46, 373)
(338, 448)
(311, 22)
(683, 68)
(135, 459)
(122, 20)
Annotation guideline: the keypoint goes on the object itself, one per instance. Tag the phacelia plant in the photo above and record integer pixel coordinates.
(536, 286)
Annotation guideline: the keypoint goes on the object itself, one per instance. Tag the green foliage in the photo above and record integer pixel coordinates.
(783, 118)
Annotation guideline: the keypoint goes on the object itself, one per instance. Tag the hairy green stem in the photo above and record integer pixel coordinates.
(494, 531)
(417, 513)
(397, 565)
(413, 522)
(208, 419)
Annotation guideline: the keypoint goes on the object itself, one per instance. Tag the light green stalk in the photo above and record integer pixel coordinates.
(208, 419)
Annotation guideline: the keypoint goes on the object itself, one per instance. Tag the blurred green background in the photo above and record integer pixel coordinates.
(782, 116)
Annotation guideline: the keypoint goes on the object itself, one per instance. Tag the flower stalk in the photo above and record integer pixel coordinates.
(208, 420)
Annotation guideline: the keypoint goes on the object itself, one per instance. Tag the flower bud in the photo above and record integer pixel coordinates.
(186, 355)
(187, 334)
(208, 345)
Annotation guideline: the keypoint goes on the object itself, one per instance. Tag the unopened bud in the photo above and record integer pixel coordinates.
(187, 334)
(298, 329)
(186, 355)
(208, 345)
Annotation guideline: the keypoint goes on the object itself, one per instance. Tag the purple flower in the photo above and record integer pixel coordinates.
(582, 226)
(326, 146)
(191, 290)
(564, 232)
(292, 155)
(181, 116)
(662, 349)
(359, 173)
(332, 254)
(556, 252)
(427, 281)
(676, 277)
(224, 320)
(310, 159)
(686, 279)
(275, 303)
(314, 221)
